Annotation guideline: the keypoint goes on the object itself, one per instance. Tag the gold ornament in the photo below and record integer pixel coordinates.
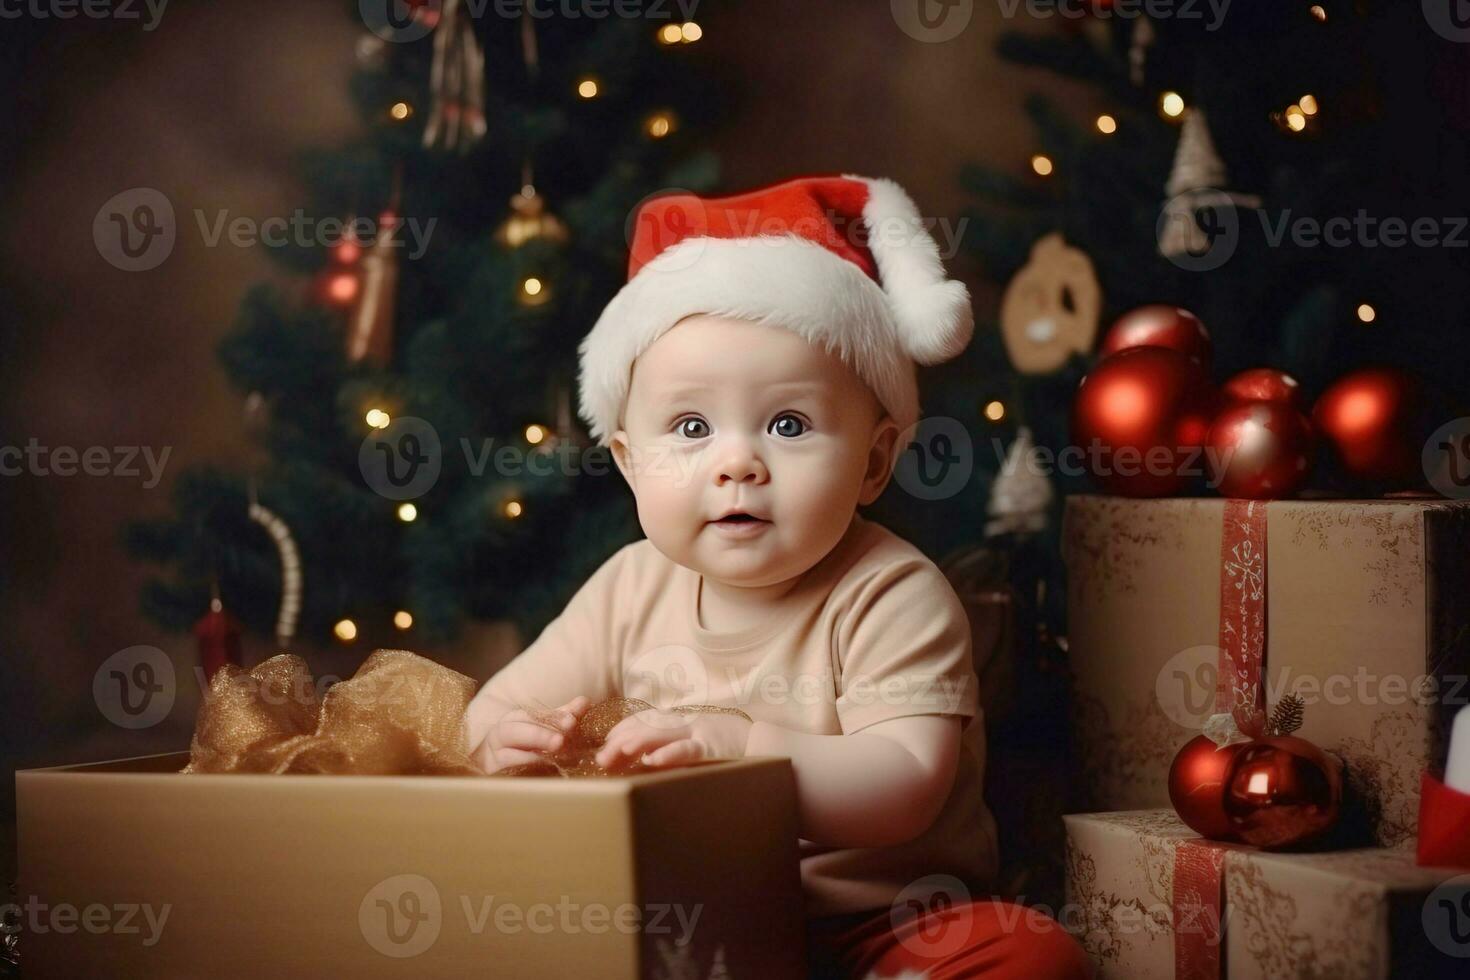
(529, 219)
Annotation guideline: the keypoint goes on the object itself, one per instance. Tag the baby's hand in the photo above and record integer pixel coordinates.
(665, 739)
(520, 738)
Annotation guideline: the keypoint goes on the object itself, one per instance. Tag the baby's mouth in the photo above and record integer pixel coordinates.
(740, 519)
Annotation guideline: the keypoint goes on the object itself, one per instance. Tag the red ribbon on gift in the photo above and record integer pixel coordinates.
(1243, 616)
(1240, 713)
(1444, 815)
(1197, 903)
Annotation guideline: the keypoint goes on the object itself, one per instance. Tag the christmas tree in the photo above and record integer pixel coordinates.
(416, 394)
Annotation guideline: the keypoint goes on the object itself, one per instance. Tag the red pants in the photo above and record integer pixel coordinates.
(986, 938)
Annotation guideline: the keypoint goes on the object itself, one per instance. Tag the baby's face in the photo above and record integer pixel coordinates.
(726, 414)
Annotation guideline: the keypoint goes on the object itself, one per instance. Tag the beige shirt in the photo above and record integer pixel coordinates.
(873, 631)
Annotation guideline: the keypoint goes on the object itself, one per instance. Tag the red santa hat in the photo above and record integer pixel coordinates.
(844, 262)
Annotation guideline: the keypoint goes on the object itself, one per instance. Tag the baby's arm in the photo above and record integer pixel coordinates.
(875, 788)
(569, 667)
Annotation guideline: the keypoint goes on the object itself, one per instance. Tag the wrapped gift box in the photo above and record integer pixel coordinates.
(1366, 618)
(131, 869)
(1360, 914)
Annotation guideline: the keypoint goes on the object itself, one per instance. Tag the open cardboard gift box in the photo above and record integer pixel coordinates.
(131, 869)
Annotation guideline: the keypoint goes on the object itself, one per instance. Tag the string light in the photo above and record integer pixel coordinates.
(1367, 313)
(660, 124)
(346, 630)
(587, 88)
(1296, 120)
(1107, 125)
(1308, 104)
(347, 251)
(535, 434)
(342, 288)
(401, 111)
(1319, 12)
(691, 32)
(995, 411)
(402, 619)
(377, 418)
(1042, 165)
(513, 508)
(1171, 104)
(407, 513)
(671, 34)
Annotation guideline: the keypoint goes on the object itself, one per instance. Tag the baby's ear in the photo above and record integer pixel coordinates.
(880, 460)
(622, 454)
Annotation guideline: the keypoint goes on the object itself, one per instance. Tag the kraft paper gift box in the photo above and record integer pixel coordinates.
(1367, 617)
(132, 869)
(1361, 914)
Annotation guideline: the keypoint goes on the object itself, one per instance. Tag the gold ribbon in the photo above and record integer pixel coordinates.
(400, 714)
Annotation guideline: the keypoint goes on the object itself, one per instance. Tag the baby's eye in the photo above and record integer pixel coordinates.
(692, 428)
(788, 425)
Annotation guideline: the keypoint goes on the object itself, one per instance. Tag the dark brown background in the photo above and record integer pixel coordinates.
(209, 108)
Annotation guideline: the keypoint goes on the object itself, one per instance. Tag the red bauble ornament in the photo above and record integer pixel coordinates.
(1159, 326)
(1264, 385)
(1260, 450)
(1376, 421)
(1197, 782)
(1140, 420)
(1282, 790)
(218, 635)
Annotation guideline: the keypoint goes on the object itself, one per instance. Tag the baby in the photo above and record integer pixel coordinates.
(755, 381)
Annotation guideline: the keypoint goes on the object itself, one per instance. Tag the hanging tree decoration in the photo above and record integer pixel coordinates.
(1021, 494)
(529, 218)
(1195, 185)
(1143, 38)
(456, 83)
(290, 557)
(370, 326)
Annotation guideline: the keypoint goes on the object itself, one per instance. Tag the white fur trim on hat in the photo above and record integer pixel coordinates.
(786, 281)
(933, 314)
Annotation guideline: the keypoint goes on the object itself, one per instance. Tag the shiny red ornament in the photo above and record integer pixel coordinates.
(1376, 421)
(1264, 385)
(1197, 781)
(1282, 790)
(1159, 325)
(1140, 420)
(218, 636)
(1259, 450)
